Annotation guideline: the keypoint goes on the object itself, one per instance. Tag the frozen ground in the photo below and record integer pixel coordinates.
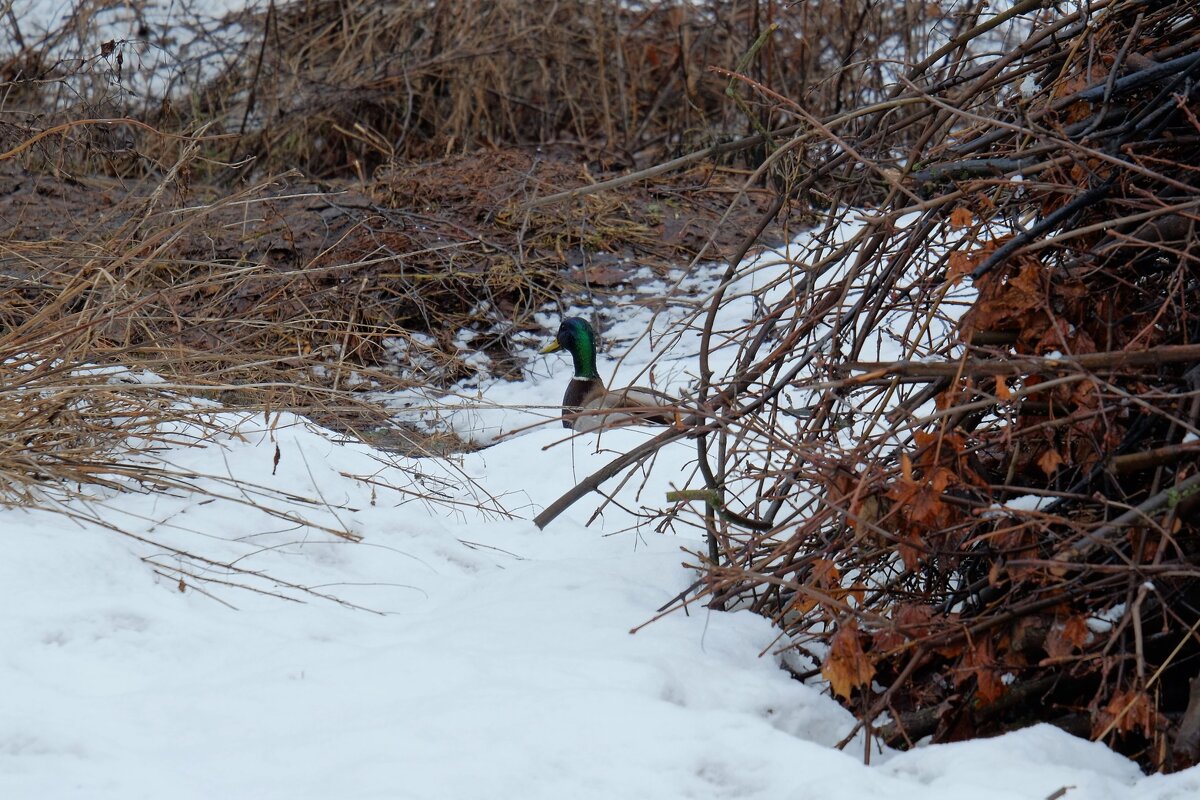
(455, 652)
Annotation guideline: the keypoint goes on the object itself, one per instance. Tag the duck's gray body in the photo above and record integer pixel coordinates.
(587, 404)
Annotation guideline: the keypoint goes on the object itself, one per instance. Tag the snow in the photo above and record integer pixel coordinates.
(503, 657)
(1026, 502)
(502, 662)
(455, 650)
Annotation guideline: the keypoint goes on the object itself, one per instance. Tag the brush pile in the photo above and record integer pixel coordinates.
(958, 457)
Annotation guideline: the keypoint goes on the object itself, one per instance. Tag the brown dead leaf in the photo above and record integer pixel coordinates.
(961, 217)
(1126, 712)
(960, 265)
(846, 666)
(825, 573)
(1066, 637)
(1050, 461)
(980, 661)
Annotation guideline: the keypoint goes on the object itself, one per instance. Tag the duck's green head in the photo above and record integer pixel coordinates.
(577, 337)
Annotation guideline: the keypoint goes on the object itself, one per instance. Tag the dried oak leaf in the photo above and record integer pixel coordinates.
(1066, 637)
(1126, 712)
(960, 265)
(961, 217)
(979, 662)
(1050, 461)
(847, 667)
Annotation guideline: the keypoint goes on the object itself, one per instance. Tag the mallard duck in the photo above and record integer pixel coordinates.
(586, 399)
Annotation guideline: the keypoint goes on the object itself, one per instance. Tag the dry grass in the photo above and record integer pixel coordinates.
(337, 88)
(118, 342)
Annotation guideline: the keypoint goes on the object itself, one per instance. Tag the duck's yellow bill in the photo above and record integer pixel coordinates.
(551, 347)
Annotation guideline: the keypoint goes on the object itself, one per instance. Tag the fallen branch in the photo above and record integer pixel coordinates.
(658, 169)
(1105, 534)
(609, 470)
(1024, 365)
(1132, 462)
(920, 723)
